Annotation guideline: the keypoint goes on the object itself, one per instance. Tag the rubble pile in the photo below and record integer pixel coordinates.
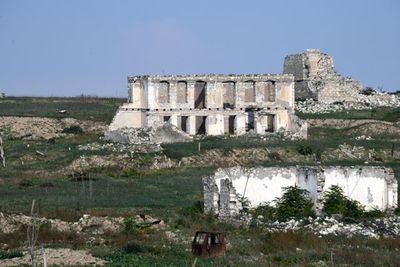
(165, 133)
(10, 223)
(375, 228)
(122, 148)
(364, 102)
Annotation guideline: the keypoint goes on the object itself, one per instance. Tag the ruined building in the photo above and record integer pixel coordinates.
(373, 187)
(316, 78)
(211, 104)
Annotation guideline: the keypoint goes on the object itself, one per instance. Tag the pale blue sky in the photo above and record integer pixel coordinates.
(66, 48)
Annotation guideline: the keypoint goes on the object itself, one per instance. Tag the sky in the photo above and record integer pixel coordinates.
(74, 47)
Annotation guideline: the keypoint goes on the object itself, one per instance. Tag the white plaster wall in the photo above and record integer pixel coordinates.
(127, 118)
(373, 187)
(263, 184)
(215, 124)
(361, 185)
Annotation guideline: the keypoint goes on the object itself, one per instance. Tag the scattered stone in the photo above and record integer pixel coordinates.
(375, 228)
(56, 257)
(165, 133)
(365, 102)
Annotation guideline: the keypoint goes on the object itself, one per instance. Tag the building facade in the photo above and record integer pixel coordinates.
(210, 104)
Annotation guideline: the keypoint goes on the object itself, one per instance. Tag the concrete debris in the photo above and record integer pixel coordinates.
(87, 224)
(40, 153)
(364, 102)
(164, 133)
(56, 257)
(121, 148)
(85, 163)
(374, 228)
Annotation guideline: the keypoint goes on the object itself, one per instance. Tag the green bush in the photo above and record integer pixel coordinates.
(397, 211)
(295, 203)
(74, 129)
(10, 254)
(368, 91)
(304, 150)
(337, 203)
(264, 212)
(373, 214)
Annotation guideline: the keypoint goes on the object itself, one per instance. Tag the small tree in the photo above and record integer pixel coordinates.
(337, 203)
(295, 203)
(32, 234)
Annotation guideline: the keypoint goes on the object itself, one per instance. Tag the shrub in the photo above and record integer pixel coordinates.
(10, 254)
(74, 129)
(295, 203)
(373, 214)
(337, 203)
(368, 91)
(304, 150)
(274, 156)
(397, 211)
(264, 212)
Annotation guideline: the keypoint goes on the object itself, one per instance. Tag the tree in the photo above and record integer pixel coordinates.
(294, 203)
(337, 203)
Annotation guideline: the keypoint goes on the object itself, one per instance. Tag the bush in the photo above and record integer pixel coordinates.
(295, 203)
(74, 129)
(304, 150)
(10, 254)
(337, 203)
(397, 211)
(368, 91)
(264, 212)
(274, 156)
(373, 214)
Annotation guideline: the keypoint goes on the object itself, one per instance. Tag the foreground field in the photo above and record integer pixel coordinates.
(77, 172)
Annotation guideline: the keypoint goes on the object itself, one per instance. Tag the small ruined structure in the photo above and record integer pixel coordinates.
(211, 104)
(209, 244)
(373, 187)
(316, 78)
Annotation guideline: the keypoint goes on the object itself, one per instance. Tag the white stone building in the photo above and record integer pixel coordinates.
(211, 104)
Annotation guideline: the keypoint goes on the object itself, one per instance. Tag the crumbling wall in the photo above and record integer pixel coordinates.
(316, 78)
(373, 187)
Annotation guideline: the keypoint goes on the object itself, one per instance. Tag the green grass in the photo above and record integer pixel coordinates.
(156, 192)
(83, 108)
(379, 113)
